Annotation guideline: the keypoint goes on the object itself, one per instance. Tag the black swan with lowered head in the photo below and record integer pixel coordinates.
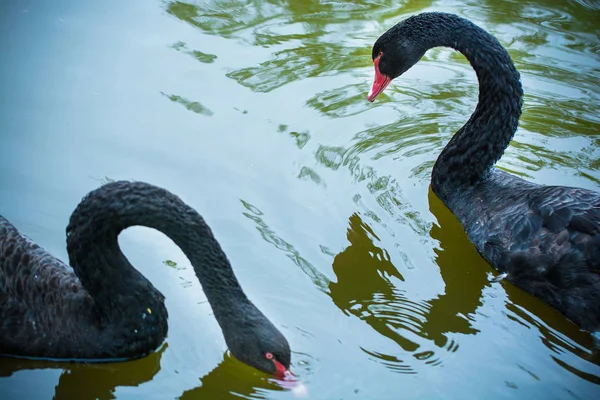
(102, 308)
(544, 239)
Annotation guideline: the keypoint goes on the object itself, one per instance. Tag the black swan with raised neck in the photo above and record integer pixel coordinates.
(544, 239)
(101, 308)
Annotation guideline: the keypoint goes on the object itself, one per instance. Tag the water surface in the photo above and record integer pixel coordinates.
(255, 113)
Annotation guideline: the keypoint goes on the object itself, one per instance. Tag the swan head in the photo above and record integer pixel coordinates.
(258, 343)
(394, 53)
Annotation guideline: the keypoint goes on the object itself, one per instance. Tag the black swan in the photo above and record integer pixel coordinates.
(103, 309)
(544, 239)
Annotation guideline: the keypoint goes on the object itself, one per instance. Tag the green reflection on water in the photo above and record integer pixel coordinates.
(91, 381)
(193, 106)
(291, 65)
(231, 379)
(198, 55)
(228, 17)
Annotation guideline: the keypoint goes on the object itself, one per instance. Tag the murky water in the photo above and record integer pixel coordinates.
(255, 113)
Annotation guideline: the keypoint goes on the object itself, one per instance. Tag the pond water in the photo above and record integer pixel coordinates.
(255, 113)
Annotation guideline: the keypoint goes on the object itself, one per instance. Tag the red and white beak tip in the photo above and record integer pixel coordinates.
(380, 82)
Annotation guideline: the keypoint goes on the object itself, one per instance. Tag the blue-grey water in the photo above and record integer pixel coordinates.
(255, 113)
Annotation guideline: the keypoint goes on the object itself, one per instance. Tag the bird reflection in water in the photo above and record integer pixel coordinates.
(230, 379)
(88, 381)
(465, 282)
(369, 287)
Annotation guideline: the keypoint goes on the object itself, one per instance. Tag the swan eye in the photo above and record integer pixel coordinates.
(269, 356)
(380, 54)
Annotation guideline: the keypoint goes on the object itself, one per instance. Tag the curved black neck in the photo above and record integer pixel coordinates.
(476, 147)
(115, 285)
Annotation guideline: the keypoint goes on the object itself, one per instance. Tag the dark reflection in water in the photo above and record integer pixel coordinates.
(465, 274)
(364, 288)
(232, 380)
(88, 381)
(369, 287)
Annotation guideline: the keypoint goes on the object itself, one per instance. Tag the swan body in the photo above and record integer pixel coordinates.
(101, 307)
(546, 239)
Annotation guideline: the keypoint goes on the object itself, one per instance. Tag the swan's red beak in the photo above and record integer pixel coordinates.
(379, 83)
(282, 372)
(288, 381)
